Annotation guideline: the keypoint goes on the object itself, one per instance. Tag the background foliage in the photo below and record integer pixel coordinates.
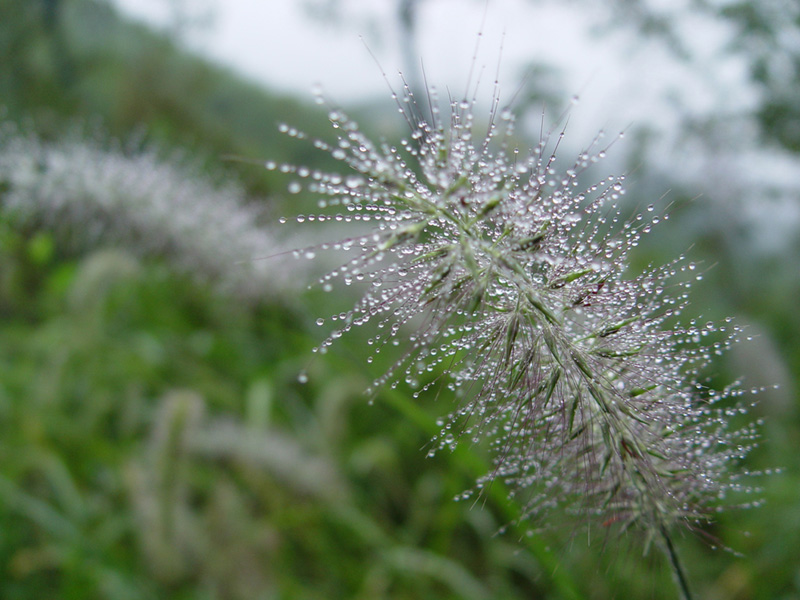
(155, 441)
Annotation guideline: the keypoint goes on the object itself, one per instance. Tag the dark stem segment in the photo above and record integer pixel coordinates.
(677, 570)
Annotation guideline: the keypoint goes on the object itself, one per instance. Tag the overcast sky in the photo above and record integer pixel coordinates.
(621, 79)
(275, 42)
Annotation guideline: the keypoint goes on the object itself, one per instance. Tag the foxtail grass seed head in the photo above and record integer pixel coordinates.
(92, 193)
(504, 279)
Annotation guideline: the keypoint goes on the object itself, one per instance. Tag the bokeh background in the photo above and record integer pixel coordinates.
(155, 441)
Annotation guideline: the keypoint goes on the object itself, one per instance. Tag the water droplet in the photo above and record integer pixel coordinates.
(353, 181)
(302, 377)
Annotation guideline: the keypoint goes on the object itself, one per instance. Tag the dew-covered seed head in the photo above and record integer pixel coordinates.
(503, 278)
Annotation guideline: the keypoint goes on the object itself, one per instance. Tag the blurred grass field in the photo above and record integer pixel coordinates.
(155, 441)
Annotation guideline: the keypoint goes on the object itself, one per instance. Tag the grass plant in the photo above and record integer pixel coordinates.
(504, 282)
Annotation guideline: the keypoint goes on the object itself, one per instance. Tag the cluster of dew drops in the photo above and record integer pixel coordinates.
(355, 193)
(361, 197)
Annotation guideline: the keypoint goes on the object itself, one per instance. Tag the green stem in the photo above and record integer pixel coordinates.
(677, 570)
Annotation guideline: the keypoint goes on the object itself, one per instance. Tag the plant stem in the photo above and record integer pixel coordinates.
(677, 570)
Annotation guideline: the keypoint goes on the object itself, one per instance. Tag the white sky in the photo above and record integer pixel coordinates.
(618, 79)
(273, 41)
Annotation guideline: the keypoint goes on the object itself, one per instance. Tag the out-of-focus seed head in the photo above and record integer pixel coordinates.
(90, 192)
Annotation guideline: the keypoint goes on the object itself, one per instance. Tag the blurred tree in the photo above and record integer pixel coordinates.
(188, 17)
(34, 56)
(761, 34)
(541, 81)
(407, 18)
